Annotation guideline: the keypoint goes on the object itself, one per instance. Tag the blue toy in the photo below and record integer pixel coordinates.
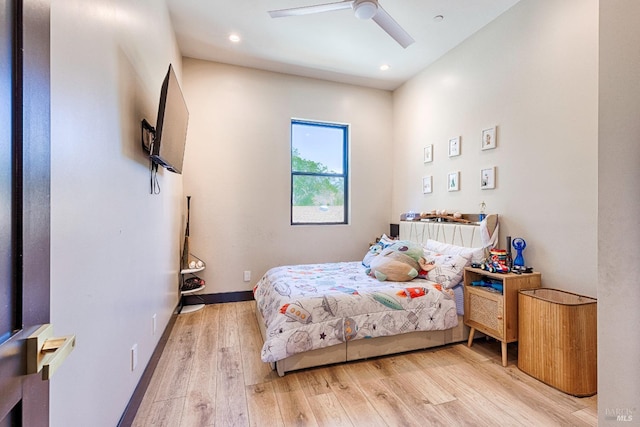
(519, 244)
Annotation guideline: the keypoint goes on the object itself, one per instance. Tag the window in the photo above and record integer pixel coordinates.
(319, 185)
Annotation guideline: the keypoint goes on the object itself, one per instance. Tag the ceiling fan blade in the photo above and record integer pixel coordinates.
(387, 23)
(307, 10)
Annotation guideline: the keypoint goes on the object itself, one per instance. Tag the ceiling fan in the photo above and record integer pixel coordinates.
(363, 9)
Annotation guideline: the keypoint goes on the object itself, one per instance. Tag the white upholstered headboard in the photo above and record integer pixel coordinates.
(467, 235)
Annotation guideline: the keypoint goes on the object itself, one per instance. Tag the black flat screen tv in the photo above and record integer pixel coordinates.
(171, 127)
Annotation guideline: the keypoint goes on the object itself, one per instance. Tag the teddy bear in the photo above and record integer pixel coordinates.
(400, 262)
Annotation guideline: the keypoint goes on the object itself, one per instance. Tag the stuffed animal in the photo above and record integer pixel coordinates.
(400, 262)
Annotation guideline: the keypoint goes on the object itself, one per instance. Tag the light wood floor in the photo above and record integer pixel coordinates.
(210, 374)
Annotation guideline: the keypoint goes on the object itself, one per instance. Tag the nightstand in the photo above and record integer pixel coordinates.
(491, 311)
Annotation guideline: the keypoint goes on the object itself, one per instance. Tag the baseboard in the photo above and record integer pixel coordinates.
(138, 394)
(218, 298)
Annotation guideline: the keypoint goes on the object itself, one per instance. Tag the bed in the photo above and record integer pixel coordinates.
(318, 314)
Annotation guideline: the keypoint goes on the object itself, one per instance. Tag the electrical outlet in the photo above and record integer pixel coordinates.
(153, 321)
(134, 357)
(247, 276)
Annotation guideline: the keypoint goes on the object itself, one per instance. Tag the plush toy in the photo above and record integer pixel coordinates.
(400, 262)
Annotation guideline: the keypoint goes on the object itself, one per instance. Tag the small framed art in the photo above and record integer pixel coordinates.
(454, 146)
(428, 153)
(453, 181)
(489, 138)
(488, 178)
(427, 184)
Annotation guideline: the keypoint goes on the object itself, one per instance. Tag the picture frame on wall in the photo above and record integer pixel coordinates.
(453, 181)
(427, 184)
(428, 153)
(488, 178)
(489, 138)
(454, 146)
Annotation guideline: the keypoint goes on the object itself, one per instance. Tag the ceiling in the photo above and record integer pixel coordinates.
(334, 46)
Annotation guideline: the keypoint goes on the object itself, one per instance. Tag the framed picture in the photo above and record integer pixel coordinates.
(427, 184)
(488, 178)
(489, 138)
(453, 181)
(454, 146)
(428, 153)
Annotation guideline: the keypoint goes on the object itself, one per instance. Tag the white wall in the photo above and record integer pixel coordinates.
(533, 74)
(619, 210)
(114, 246)
(237, 170)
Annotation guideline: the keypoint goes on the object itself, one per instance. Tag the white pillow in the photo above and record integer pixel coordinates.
(376, 248)
(448, 269)
(477, 254)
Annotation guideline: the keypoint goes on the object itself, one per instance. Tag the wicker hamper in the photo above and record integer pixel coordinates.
(558, 339)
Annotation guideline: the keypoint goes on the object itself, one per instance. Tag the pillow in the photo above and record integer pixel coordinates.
(448, 269)
(476, 254)
(382, 243)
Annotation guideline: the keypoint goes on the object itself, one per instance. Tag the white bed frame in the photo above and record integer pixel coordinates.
(417, 231)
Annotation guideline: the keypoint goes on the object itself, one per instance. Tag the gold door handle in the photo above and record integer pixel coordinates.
(46, 353)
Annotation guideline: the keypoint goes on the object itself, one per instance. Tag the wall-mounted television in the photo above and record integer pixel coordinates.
(167, 147)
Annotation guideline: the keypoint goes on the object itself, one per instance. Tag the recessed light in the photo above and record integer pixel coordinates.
(384, 67)
(234, 38)
(438, 18)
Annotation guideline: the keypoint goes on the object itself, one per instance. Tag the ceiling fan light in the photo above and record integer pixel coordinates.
(365, 9)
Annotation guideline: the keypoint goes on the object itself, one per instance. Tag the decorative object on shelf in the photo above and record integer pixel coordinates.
(428, 153)
(519, 244)
(454, 146)
(453, 181)
(482, 215)
(489, 138)
(488, 178)
(192, 283)
(442, 215)
(427, 183)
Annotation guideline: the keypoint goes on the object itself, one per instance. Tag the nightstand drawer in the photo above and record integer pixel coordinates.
(485, 312)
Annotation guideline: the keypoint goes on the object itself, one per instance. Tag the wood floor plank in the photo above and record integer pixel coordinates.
(294, 406)
(166, 413)
(200, 404)
(360, 411)
(439, 356)
(588, 416)
(427, 387)
(179, 352)
(229, 326)
(419, 405)
(263, 405)
(501, 398)
(521, 389)
(314, 382)
(461, 413)
(328, 411)
(254, 369)
(471, 394)
(366, 370)
(391, 409)
(231, 400)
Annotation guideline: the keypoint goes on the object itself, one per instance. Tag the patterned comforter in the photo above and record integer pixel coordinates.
(312, 306)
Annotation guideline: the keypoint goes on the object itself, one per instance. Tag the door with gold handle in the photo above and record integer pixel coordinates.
(45, 353)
